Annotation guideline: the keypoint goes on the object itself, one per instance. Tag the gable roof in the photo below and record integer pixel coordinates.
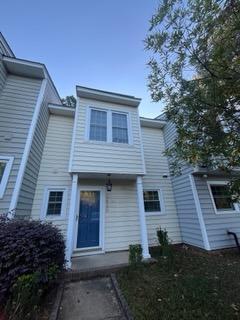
(5, 49)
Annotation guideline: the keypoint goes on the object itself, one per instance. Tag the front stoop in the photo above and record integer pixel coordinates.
(76, 275)
(98, 265)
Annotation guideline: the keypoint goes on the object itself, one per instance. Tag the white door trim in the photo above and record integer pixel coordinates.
(101, 218)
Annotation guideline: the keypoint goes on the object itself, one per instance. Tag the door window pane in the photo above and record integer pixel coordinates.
(98, 125)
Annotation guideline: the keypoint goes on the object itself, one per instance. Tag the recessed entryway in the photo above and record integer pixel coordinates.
(90, 219)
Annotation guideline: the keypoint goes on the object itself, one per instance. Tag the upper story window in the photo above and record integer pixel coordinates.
(98, 125)
(5, 169)
(221, 198)
(119, 128)
(109, 126)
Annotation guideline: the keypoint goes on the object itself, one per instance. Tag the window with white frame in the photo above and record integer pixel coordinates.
(119, 128)
(5, 169)
(221, 197)
(109, 126)
(98, 125)
(152, 201)
(55, 201)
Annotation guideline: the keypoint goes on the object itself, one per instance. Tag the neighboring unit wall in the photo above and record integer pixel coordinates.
(3, 74)
(157, 166)
(183, 194)
(216, 224)
(104, 157)
(29, 182)
(54, 165)
(17, 103)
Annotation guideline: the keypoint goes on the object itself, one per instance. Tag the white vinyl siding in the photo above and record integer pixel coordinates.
(101, 157)
(3, 75)
(122, 217)
(25, 200)
(54, 167)
(17, 102)
(156, 167)
(183, 195)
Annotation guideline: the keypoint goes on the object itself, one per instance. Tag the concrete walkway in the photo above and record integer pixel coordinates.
(93, 299)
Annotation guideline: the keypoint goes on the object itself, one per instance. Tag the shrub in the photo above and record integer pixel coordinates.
(135, 254)
(28, 248)
(164, 242)
(26, 294)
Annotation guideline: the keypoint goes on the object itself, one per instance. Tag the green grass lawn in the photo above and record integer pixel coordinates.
(191, 285)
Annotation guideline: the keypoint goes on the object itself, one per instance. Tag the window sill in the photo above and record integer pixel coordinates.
(115, 144)
(155, 213)
(54, 218)
(227, 212)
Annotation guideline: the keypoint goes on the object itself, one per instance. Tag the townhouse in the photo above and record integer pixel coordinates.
(98, 171)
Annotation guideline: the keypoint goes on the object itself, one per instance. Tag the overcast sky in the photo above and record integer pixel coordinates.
(94, 43)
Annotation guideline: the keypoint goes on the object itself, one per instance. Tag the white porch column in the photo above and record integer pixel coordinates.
(71, 220)
(143, 226)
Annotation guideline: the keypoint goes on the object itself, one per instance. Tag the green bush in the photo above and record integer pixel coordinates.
(135, 255)
(164, 242)
(31, 255)
(27, 292)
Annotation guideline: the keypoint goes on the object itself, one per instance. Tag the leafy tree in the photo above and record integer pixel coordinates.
(195, 70)
(69, 101)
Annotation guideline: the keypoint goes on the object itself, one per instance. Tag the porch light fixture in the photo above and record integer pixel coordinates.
(109, 184)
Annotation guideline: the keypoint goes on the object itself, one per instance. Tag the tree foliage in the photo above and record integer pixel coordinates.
(69, 101)
(195, 70)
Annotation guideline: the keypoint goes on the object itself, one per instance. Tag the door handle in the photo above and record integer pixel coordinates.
(77, 216)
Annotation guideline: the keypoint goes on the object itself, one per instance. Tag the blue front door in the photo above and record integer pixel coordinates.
(89, 217)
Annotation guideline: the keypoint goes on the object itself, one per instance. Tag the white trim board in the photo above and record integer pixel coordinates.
(199, 213)
(74, 132)
(6, 173)
(27, 148)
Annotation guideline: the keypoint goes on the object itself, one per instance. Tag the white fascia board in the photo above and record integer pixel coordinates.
(96, 94)
(152, 123)
(61, 110)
